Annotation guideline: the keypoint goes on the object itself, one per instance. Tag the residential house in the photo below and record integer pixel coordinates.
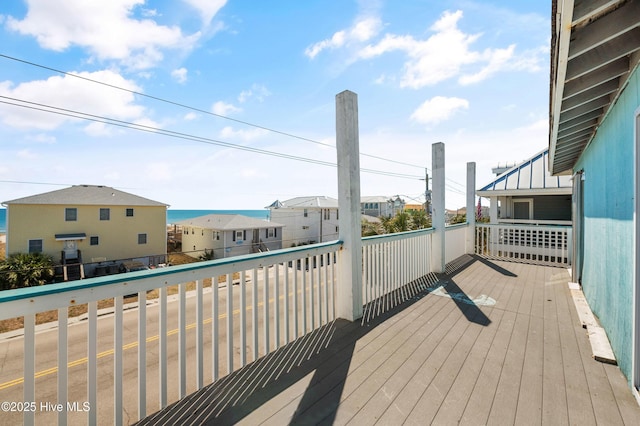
(528, 193)
(88, 224)
(227, 235)
(306, 220)
(595, 138)
(381, 206)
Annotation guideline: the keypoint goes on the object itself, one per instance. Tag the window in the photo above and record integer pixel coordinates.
(216, 235)
(337, 214)
(105, 214)
(142, 238)
(94, 241)
(70, 214)
(270, 232)
(238, 235)
(129, 213)
(327, 214)
(305, 213)
(305, 227)
(35, 246)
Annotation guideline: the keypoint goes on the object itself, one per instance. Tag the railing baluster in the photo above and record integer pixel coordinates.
(92, 356)
(287, 314)
(276, 305)
(267, 339)
(255, 296)
(304, 295)
(62, 364)
(229, 323)
(117, 361)
(29, 387)
(296, 315)
(142, 354)
(319, 266)
(162, 368)
(312, 301)
(182, 340)
(243, 319)
(199, 336)
(215, 333)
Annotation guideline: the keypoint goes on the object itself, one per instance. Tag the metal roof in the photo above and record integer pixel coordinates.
(595, 46)
(87, 195)
(531, 177)
(314, 201)
(225, 222)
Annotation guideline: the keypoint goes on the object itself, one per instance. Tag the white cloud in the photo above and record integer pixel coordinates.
(438, 109)
(207, 8)
(190, 116)
(257, 91)
(73, 94)
(244, 135)
(180, 75)
(105, 28)
(26, 154)
(223, 108)
(42, 138)
(447, 53)
(361, 31)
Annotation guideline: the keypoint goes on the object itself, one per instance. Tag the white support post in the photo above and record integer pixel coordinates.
(438, 246)
(349, 301)
(471, 208)
(493, 210)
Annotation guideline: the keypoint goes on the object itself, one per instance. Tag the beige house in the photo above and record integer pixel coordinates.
(88, 224)
(229, 235)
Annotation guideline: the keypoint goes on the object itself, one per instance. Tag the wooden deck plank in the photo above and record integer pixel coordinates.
(428, 361)
(529, 406)
(554, 399)
(579, 406)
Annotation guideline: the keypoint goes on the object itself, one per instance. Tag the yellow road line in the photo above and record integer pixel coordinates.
(131, 345)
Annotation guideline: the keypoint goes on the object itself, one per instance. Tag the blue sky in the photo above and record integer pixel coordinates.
(471, 74)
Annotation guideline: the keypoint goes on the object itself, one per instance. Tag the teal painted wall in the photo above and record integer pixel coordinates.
(607, 278)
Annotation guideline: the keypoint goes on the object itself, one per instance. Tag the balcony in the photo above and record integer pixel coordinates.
(487, 341)
(452, 324)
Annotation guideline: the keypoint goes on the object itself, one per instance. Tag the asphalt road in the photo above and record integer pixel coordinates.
(11, 353)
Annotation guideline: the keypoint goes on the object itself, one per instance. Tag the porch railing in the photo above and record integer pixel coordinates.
(256, 304)
(183, 334)
(543, 245)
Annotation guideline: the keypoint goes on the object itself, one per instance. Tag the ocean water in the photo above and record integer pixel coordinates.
(173, 216)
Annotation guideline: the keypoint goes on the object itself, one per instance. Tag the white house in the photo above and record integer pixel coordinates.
(528, 193)
(229, 235)
(306, 220)
(381, 206)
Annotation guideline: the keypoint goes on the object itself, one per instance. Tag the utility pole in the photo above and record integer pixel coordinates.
(427, 193)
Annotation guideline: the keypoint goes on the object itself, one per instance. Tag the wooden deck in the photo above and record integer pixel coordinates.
(433, 360)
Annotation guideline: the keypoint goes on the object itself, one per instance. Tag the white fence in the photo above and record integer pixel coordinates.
(137, 361)
(456, 240)
(191, 324)
(543, 245)
(390, 264)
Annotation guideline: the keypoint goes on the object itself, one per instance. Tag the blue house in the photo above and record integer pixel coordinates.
(595, 138)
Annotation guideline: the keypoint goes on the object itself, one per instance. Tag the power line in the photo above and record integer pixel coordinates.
(159, 99)
(180, 135)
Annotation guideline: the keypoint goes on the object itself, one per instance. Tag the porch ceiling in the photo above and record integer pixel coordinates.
(594, 48)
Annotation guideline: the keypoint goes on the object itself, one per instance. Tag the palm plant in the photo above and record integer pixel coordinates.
(26, 270)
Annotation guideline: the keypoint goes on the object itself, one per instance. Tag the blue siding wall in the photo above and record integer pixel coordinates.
(607, 277)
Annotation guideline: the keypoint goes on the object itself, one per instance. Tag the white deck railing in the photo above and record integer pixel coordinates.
(256, 304)
(544, 245)
(456, 240)
(171, 345)
(390, 263)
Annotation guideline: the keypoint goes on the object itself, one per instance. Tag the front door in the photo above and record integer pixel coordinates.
(70, 249)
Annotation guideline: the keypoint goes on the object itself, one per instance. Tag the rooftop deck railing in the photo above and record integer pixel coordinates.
(256, 304)
(542, 245)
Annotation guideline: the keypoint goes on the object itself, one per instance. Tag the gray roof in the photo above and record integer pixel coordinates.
(531, 177)
(87, 195)
(305, 202)
(225, 222)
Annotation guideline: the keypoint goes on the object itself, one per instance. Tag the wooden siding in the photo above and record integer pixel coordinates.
(608, 275)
